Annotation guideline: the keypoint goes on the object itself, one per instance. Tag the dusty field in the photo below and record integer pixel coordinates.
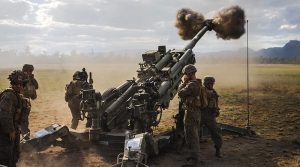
(275, 115)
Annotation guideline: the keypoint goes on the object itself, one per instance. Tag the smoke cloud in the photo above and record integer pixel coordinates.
(228, 24)
(188, 23)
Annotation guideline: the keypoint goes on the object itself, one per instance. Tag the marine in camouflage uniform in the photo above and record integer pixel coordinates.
(10, 119)
(29, 92)
(72, 96)
(25, 110)
(193, 100)
(32, 85)
(210, 113)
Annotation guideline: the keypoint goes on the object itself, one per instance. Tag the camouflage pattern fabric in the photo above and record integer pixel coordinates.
(26, 108)
(30, 88)
(212, 98)
(28, 92)
(209, 115)
(73, 99)
(189, 92)
(73, 89)
(74, 105)
(10, 111)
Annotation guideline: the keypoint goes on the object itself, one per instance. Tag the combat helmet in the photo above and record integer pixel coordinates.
(17, 77)
(76, 75)
(209, 79)
(27, 67)
(189, 69)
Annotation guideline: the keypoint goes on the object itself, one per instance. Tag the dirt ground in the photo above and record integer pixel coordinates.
(274, 106)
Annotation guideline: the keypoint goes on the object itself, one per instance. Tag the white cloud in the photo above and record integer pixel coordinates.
(288, 27)
(62, 25)
(42, 16)
(271, 14)
(14, 23)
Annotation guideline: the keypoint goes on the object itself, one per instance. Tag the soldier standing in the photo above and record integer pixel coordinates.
(10, 115)
(72, 96)
(30, 88)
(29, 92)
(209, 114)
(193, 99)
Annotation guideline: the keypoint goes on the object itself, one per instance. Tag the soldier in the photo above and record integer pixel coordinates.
(193, 99)
(10, 115)
(24, 122)
(29, 92)
(209, 114)
(72, 96)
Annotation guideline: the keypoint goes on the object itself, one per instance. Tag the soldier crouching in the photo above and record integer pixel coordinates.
(193, 97)
(10, 116)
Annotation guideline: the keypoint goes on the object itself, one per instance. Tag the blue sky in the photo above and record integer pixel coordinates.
(117, 25)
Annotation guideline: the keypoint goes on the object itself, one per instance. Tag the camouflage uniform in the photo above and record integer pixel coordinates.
(10, 118)
(193, 100)
(29, 92)
(209, 115)
(26, 108)
(32, 85)
(72, 96)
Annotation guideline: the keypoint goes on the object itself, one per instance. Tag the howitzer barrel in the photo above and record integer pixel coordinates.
(187, 58)
(122, 88)
(164, 61)
(197, 37)
(164, 87)
(118, 91)
(127, 94)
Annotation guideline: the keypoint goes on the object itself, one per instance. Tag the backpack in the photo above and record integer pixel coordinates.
(201, 99)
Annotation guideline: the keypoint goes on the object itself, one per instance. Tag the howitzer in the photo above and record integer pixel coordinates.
(124, 117)
(138, 104)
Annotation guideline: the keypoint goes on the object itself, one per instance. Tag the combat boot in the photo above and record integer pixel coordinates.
(218, 153)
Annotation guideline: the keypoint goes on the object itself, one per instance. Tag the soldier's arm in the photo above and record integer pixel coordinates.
(68, 91)
(217, 99)
(26, 107)
(182, 85)
(70, 88)
(186, 91)
(6, 114)
(35, 83)
(184, 82)
(203, 97)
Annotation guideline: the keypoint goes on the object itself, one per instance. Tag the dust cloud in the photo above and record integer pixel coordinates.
(228, 24)
(188, 23)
